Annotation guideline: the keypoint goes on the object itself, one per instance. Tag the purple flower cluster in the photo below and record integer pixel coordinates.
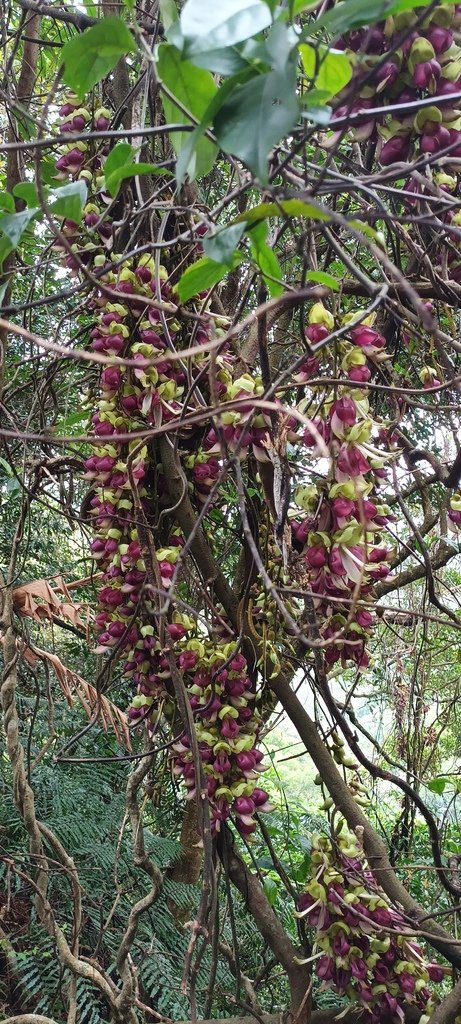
(368, 951)
(339, 536)
(227, 725)
(221, 694)
(400, 61)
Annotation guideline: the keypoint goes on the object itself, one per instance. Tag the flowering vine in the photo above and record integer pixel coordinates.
(367, 949)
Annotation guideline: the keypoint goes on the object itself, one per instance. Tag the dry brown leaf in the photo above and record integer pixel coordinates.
(72, 684)
(38, 600)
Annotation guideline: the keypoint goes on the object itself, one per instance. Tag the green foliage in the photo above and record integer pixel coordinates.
(193, 88)
(222, 24)
(90, 56)
(120, 165)
(255, 116)
(203, 275)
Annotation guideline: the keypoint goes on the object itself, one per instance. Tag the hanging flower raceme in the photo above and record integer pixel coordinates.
(399, 61)
(227, 725)
(339, 534)
(368, 951)
(222, 696)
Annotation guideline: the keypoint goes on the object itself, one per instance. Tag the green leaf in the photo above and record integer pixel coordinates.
(255, 117)
(5, 249)
(289, 207)
(7, 202)
(13, 225)
(266, 259)
(71, 420)
(48, 171)
(168, 13)
(203, 275)
(27, 191)
(221, 246)
(90, 56)
(6, 466)
(120, 165)
(437, 785)
(280, 43)
(330, 70)
(222, 23)
(184, 164)
(194, 88)
(314, 106)
(69, 200)
(321, 277)
(271, 890)
(223, 62)
(346, 14)
(409, 5)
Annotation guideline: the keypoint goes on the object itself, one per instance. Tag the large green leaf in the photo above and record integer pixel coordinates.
(194, 88)
(89, 57)
(185, 165)
(220, 247)
(27, 191)
(349, 14)
(289, 207)
(68, 200)
(13, 225)
(202, 275)
(330, 70)
(255, 117)
(221, 23)
(346, 14)
(437, 785)
(322, 277)
(120, 164)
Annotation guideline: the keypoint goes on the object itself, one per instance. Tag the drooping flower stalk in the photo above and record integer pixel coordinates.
(368, 951)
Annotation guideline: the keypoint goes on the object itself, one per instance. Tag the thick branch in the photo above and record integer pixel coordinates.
(268, 925)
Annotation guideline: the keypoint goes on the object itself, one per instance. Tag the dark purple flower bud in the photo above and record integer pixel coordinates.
(358, 969)
(427, 74)
(364, 618)
(245, 761)
(361, 374)
(259, 796)
(367, 337)
(381, 973)
(316, 556)
(435, 972)
(325, 968)
(387, 74)
(343, 507)
(229, 728)
(395, 150)
(340, 944)
(351, 462)
(441, 38)
(221, 764)
(176, 631)
(244, 805)
(345, 410)
(336, 563)
(317, 332)
(407, 982)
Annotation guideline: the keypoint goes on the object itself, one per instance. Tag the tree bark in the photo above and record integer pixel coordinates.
(270, 928)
